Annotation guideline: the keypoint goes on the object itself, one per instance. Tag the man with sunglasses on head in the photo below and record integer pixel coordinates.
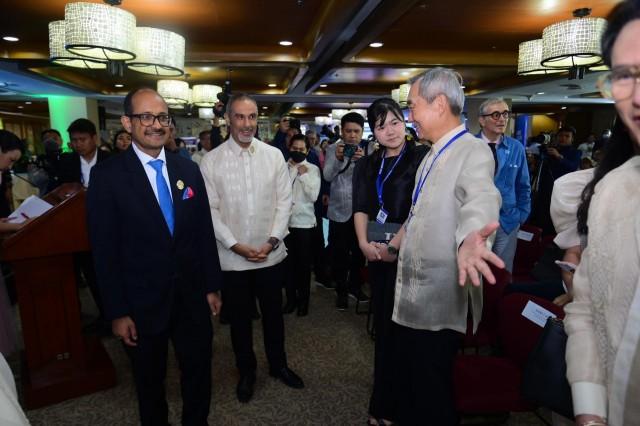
(511, 176)
(156, 260)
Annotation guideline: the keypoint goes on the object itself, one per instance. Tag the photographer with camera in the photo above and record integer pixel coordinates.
(556, 159)
(346, 257)
(562, 157)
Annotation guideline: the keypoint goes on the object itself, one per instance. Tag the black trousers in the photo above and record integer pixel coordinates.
(382, 278)
(298, 265)
(266, 285)
(347, 260)
(424, 387)
(192, 343)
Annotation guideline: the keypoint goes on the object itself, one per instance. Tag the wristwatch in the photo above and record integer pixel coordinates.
(392, 250)
(275, 243)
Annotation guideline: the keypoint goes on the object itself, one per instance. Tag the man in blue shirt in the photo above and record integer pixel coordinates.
(511, 177)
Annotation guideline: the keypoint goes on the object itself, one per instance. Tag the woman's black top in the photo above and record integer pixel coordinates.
(397, 190)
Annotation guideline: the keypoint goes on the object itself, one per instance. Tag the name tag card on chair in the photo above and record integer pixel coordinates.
(536, 313)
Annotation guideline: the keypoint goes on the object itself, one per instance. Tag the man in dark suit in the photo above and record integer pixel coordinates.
(76, 166)
(156, 260)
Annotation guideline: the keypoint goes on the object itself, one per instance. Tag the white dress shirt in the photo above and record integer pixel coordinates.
(250, 198)
(306, 188)
(150, 171)
(85, 168)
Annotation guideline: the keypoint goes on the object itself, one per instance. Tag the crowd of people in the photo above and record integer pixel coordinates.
(430, 212)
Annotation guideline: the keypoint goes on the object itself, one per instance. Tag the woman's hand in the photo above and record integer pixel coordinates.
(370, 251)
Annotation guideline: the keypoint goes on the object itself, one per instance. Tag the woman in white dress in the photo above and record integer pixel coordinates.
(603, 321)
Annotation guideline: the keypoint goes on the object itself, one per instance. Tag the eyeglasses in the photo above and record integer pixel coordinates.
(147, 120)
(619, 83)
(497, 114)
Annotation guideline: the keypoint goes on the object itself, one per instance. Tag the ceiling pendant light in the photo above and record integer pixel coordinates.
(205, 95)
(174, 92)
(395, 95)
(59, 55)
(403, 94)
(158, 52)
(530, 57)
(100, 31)
(573, 43)
(336, 114)
(205, 113)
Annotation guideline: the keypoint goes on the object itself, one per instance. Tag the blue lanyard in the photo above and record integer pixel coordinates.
(379, 181)
(423, 179)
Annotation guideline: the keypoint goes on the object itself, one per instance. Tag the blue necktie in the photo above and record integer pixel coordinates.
(164, 196)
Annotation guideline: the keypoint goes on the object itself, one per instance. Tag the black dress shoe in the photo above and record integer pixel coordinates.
(244, 390)
(288, 377)
(289, 308)
(342, 302)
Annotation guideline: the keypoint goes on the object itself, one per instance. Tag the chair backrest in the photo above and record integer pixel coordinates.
(528, 250)
(491, 296)
(518, 335)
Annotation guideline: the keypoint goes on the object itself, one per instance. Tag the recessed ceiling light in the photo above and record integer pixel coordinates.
(118, 85)
(297, 107)
(564, 107)
(540, 93)
(28, 103)
(20, 107)
(323, 85)
(285, 43)
(10, 38)
(272, 85)
(264, 107)
(205, 69)
(376, 44)
(405, 73)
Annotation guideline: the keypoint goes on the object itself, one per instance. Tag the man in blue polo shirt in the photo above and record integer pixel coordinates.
(511, 177)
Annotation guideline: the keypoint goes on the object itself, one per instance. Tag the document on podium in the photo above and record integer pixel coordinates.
(33, 206)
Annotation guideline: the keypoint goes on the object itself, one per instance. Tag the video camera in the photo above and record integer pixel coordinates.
(543, 139)
(223, 97)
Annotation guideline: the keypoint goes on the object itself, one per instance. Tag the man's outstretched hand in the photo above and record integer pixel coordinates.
(474, 257)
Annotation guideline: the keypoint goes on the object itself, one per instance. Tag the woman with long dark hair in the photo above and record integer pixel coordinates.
(121, 141)
(382, 185)
(603, 321)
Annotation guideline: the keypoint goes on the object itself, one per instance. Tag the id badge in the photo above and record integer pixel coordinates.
(382, 216)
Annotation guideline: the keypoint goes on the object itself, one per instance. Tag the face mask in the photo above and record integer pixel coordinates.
(297, 156)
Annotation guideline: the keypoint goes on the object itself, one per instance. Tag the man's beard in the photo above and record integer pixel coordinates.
(246, 139)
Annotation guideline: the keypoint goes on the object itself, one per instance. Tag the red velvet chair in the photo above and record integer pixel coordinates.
(487, 332)
(527, 253)
(491, 384)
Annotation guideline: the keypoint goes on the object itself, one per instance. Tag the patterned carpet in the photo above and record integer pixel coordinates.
(329, 349)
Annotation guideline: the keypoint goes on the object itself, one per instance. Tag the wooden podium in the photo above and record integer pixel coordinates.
(59, 362)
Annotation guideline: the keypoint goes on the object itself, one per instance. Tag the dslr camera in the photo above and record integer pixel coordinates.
(349, 150)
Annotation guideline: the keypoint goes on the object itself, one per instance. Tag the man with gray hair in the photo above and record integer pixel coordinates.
(442, 245)
(511, 176)
(249, 194)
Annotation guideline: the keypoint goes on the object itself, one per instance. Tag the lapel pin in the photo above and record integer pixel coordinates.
(180, 185)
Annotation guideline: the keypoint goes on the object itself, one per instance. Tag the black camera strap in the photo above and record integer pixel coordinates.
(344, 169)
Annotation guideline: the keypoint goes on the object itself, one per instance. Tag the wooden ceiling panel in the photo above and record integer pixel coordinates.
(479, 38)
(463, 26)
